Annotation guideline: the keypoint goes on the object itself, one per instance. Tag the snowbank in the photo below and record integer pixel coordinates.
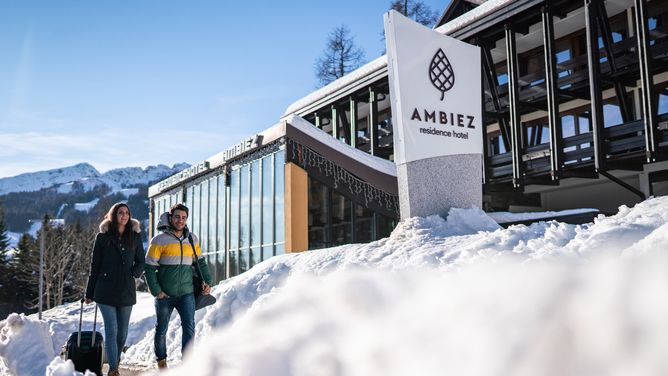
(461, 296)
(25, 345)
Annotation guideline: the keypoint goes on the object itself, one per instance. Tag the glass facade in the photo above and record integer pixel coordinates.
(238, 218)
(334, 219)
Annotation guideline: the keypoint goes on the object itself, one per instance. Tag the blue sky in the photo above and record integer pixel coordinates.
(137, 83)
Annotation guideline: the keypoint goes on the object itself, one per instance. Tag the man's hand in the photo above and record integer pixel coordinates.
(88, 300)
(206, 289)
(162, 295)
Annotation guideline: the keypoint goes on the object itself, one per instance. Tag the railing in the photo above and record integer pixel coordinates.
(620, 142)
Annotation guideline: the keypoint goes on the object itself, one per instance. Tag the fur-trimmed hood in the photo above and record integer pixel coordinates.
(136, 226)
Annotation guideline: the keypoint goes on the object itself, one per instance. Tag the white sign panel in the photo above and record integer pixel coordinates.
(435, 85)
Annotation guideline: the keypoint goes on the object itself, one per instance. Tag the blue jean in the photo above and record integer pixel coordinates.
(116, 321)
(185, 306)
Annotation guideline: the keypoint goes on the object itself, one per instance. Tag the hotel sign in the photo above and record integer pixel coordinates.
(186, 174)
(435, 85)
(221, 158)
(244, 146)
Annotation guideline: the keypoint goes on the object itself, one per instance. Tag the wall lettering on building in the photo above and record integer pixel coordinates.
(189, 172)
(242, 147)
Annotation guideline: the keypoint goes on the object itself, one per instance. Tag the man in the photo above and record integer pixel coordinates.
(169, 277)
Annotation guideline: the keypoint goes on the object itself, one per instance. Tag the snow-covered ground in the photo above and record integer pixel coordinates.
(461, 296)
(86, 206)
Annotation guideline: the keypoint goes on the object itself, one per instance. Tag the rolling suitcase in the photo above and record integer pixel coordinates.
(85, 348)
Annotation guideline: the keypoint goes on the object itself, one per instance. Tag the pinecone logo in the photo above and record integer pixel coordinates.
(440, 72)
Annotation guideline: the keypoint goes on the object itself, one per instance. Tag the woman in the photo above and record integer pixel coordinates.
(118, 256)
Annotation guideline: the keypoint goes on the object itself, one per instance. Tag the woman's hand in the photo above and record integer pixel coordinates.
(88, 300)
(206, 289)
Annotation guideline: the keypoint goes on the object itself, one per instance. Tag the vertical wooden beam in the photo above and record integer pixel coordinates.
(296, 208)
(620, 88)
(485, 140)
(373, 122)
(515, 120)
(335, 123)
(646, 80)
(596, 96)
(552, 88)
(353, 122)
(493, 83)
(317, 121)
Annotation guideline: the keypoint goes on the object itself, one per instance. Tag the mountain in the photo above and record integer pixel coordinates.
(77, 193)
(34, 181)
(88, 176)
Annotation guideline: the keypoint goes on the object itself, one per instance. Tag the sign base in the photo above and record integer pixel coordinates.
(434, 185)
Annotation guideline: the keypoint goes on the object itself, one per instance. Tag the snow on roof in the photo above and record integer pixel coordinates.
(378, 164)
(473, 15)
(337, 85)
(381, 62)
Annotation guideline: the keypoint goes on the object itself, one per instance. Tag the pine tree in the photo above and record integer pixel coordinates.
(4, 237)
(417, 10)
(5, 295)
(24, 274)
(340, 57)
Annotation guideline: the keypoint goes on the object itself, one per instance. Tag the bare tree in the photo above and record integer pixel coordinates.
(81, 245)
(417, 10)
(340, 57)
(66, 262)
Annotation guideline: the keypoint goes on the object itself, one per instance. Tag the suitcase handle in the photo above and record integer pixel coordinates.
(92, 340)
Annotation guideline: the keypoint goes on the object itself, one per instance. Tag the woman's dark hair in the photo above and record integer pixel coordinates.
(127, 237)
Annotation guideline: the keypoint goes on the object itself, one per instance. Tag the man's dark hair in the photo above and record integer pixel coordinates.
(178, 207)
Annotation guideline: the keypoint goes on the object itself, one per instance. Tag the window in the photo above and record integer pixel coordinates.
(267, 206)
(385, 225)
(612, 115)
(279, 207)
(220, 234)
(194, 210)
(363, 224)
(244, 208)
(234, 211)
(318, 214)
(342, 231)
(204, 217)
(255, 212)
(496, 145)
(213, 215)
(190, 197)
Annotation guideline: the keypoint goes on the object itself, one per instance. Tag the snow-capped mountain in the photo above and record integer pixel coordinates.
(128, 176)
(34, 181)
(88, 176)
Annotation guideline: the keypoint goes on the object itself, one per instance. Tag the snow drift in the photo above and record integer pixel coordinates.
(461, 296)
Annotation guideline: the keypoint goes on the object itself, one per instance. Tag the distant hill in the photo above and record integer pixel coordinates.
(88, 176)
(77, 193)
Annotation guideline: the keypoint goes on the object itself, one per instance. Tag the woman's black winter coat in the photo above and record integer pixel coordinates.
(113, 269)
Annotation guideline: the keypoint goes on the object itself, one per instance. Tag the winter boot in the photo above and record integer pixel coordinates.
(162, 363)
(114, 372)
